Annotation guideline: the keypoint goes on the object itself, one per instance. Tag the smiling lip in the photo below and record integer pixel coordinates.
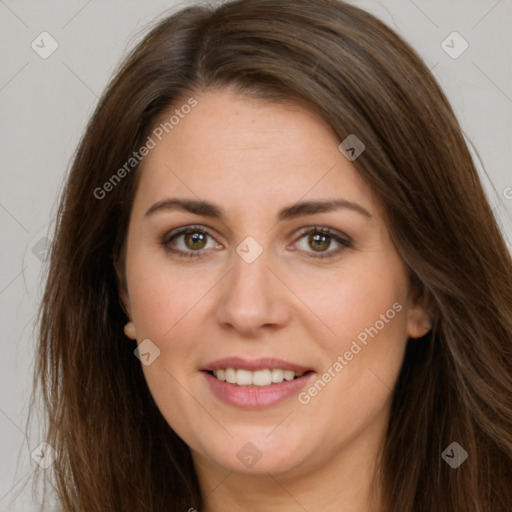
(254, 365)
(256, 397)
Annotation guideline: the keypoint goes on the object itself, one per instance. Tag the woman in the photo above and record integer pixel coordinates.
(276, 282)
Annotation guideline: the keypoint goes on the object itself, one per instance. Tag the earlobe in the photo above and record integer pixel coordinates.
(420, 307)
(129, 330)
(418, 322)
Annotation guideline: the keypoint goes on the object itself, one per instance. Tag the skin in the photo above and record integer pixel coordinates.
(286, 304)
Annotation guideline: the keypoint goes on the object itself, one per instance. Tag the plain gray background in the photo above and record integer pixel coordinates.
(45, 103)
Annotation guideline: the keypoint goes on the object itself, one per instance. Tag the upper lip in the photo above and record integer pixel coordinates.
(262, 363)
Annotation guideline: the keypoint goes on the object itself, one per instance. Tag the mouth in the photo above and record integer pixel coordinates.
(259, 378)
(255, 384)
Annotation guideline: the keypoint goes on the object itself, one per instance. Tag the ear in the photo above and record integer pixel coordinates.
(122, 290)
(129, 330)
(124, 299)
(418, 322)
(419, 316)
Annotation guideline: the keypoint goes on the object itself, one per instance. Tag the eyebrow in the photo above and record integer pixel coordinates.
(207, 209)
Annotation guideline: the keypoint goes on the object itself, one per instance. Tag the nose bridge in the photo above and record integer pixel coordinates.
(249, 282)
(250, 297)
(250, 268)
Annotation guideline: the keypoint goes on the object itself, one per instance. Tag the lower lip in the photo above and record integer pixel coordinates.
(256, 397)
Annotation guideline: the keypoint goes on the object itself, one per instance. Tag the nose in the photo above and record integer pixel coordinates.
(253, 299)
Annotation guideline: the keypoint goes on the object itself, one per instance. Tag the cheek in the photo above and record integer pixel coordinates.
(162, 298)
(168, 309)
(165, 309)
(367, 312)
(362, 303)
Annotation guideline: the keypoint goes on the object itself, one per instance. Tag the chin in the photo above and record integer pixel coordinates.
(258, 452)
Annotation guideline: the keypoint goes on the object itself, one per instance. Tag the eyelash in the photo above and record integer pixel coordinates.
(344, 242)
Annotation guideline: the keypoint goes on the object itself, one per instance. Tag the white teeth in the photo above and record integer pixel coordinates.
(258, 378)
(243, 377)
(289, 375)
(277, 375)
(261, 378)
(230, 376)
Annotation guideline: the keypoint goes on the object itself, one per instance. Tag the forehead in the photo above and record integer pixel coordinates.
(234, 149)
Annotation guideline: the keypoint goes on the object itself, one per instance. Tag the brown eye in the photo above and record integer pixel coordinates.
(195, 240)
(190, 241)
(319, 241)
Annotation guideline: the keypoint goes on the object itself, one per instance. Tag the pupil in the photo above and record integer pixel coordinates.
(195, 239)
(319, 241)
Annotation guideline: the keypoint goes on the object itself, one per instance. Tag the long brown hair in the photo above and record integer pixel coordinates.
(116, 451)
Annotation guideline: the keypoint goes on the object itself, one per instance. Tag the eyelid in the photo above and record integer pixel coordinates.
(183, 231)
(316, 228)
(339, 237)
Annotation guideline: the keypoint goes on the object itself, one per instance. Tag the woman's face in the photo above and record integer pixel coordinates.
(252, 295)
